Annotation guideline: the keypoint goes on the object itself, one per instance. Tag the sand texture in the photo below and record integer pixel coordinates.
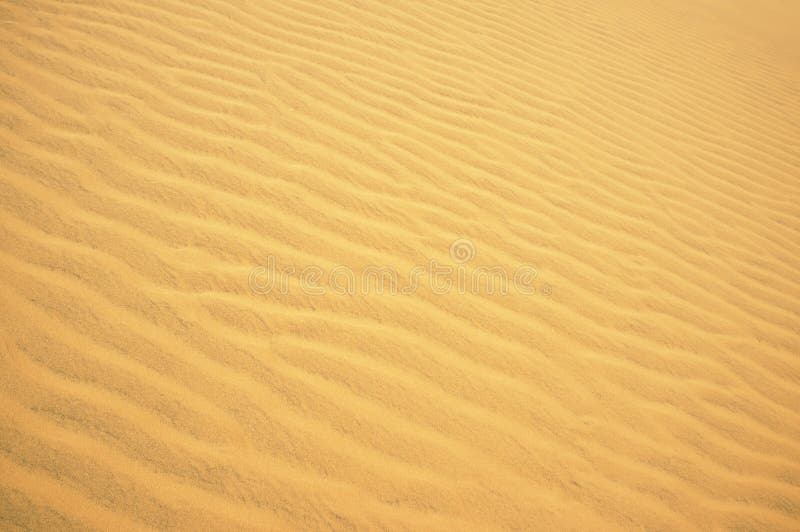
(641, 158)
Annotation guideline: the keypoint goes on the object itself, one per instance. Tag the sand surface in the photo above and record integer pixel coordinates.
(641, 158)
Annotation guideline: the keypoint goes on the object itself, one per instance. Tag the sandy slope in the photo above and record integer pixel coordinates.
(644, 156)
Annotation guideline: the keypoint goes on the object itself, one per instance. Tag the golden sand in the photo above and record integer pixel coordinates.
(641, 157)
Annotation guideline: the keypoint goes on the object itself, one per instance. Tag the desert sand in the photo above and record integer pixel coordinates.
(641, 157)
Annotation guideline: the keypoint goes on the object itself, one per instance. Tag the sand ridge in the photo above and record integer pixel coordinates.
(641, 156)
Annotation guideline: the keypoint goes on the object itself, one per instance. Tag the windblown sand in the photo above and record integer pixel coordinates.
(642, 155)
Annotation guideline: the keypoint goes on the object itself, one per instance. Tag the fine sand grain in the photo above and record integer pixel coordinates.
(641, 158)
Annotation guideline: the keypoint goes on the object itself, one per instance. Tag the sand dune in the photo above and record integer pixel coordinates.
(639, 160)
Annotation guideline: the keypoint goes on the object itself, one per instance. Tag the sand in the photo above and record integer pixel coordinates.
(637, 159)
